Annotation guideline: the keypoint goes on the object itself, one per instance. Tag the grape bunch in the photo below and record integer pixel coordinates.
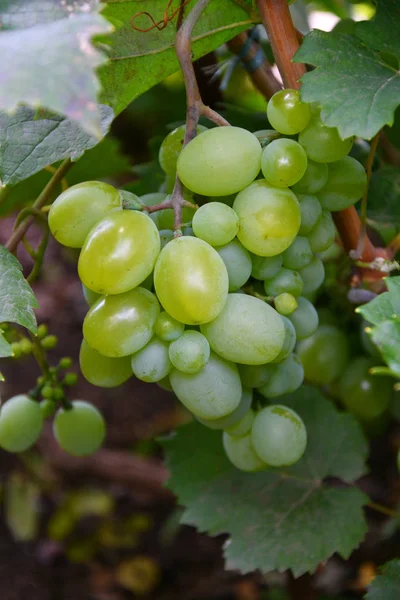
(215, 314)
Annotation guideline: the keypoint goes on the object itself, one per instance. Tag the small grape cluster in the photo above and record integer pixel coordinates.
(215, 314)
(78, 426)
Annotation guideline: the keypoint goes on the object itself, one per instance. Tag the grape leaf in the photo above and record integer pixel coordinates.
(28, 144)
(139, 60)
(356, 88)
(63, 80)
(384, 195)
(386, 336)
(386, 586)
(17, 300)
(268, 515)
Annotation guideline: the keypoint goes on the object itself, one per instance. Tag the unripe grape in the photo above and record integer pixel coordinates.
(242, 427)
(285, 304)
(284, 378)
(323, 234)
(304, 319)
(265, 267)
(47, 392)
(167, 328)
(324, 354)
(299, 254)
(289, 343)
(120, 325)
(313, 180)
(152, 362)
(21, 423)
(89, 295)
(214, 392)
(241, 453)
(25, 346)
(103, 371)
(191, 280)
(190, 352)
(347, 181)
(283, 162)
(279, 436)
(247, 331)
(80, 430)
(215, 223)
(269, 218)
(171, 148)
(238, 263)
(73, 214)
(287, 113)
(42, 331)
(286, 280)
(65, 362)
(323, 144)
(311, 211)
(48, 408)
(220, 161)
(119, 252)
(313, 275)
(235, 416)
(49, 342)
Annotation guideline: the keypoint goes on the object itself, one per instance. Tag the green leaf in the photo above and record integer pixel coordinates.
(386, 336)
(63, 80)
(385, 306)
(357, 90)
(139, 60)
(17, 300)
(384, 196)
(386, 586)
(28, 144)
(268, 515)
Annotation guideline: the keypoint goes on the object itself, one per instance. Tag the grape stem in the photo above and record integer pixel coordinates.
(195, 108)
(262, 77)
(284, 41)
(44, 197)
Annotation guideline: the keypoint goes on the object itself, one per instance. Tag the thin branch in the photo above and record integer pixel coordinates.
(348, 224)
(262, 77)
(42, 199)
(363, 212)
(283, 38)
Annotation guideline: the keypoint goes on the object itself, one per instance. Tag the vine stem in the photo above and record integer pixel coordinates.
(195, 107)
(284, 41)
(43, 198)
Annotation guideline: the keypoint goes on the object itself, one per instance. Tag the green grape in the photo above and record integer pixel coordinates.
(365, 396)
(165, 218)
(279, 436)
(347, 182)
(167, 328)
(253, 376)
(266, 136)
(265, 267)
(233, 417)
(188, 231)
(190, 352)
(284, 378)
(42, 331)
(65, 362)
(152, 363)
(323, 144)
(119, 252)
(241, 453)
(311, 211)
(247, 331)
(283, 162)
(324, 355)
(304, 319)
(171, 148)
(285, 304)
(220, 161)
(323, 234)
(77, 210)
(269, 218)
(285, 280)
(103, 371)
(313, 275)
(79, 430)
(151, 200)
(288, 344)
(48, 408)
(49, 342)
(299, 254)
(166, 235)
(215, 223)
(287, 113)
(21, 423)
(242, 427)
(89, 295)
(70, 379)
(213, 392)
(191, 280)
(120, 325)
(313, 180)
(238, 264)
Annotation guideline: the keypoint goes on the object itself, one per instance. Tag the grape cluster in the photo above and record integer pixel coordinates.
(215, 314)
